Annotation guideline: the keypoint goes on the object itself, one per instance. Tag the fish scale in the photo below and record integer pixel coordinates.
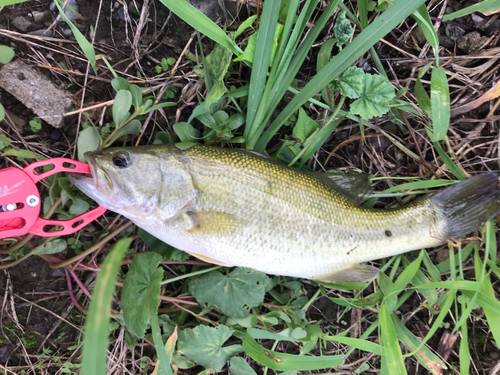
(238, 208)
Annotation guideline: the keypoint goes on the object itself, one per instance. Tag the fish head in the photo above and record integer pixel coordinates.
(123, 180)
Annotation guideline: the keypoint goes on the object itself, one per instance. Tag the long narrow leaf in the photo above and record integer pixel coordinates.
(202, 23)
(261, 60)
(440, 102)
(393, 354)
(96, 326)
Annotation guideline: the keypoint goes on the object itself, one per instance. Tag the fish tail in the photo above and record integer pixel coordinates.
(469, 203)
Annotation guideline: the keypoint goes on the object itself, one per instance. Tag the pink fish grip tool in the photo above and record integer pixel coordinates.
(20, 201)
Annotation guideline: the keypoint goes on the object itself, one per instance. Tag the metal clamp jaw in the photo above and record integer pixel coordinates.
(20, 201)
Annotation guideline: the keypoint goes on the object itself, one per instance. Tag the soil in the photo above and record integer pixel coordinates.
(37, 313)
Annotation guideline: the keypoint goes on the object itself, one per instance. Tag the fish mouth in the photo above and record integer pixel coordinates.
(97, 183)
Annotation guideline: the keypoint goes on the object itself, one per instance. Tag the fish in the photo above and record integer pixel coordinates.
(237, 208)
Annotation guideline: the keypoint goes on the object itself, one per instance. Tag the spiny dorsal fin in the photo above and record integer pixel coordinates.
(355, 187)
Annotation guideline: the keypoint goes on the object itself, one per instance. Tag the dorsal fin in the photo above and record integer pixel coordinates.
(355, 187)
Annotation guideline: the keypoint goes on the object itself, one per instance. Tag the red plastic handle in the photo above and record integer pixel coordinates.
(19, 190)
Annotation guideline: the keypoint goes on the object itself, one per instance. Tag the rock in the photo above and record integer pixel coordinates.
(471, 42)
(40, 16)
(477, 20)
(453, 31)
(22, 24)
(418, 35)
(446, 42)
(69, 13)
(35, 91)
(55, 134)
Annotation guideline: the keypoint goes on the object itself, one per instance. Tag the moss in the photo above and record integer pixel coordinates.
(29, 340)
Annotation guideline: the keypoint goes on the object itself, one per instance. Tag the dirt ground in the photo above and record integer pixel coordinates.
(40, 327)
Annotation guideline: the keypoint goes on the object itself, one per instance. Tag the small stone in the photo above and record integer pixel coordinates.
(55, 134)
(72, 5)
(22, 24)
(446, 42)
(471, 42)
(453, 31)
(478, 20)
(67, 32)
(418, 35)
(35, 91)
(39, 16)
(56, 272)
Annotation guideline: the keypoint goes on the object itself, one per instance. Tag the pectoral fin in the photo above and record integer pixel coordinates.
(214, 223)
(208, 259)
(356, 273)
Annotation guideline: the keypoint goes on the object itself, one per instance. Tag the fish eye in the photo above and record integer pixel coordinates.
(121, 160)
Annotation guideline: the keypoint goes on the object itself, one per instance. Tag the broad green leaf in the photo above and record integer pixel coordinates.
(2, 116)
(287, 362)
(440, 101)
(390, 341)
(88, 140)
(136, 92)
(233, 294)
(218, 62)
(249, 51)
(202, 23)
(363, 12)
(487, 7)
(51, 247)
(342, 29)
(132, 128)
(186, 132)
(78, 207)
(238, 366)
(6, 54)
(96, 326)
(140, 292)
(422, 98)
(304, 127)
(166, 251)
(203, 345)
(84, 44)
(351, 83)
(4, 141)
(374, 98)
(185, 145)
(121, 106)
(120, 83)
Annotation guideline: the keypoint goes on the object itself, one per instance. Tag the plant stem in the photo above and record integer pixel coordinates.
(164, 282)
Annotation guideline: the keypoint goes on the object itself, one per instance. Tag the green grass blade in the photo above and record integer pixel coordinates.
(363, 13)
(440, 102)
(288, 362)
(424, 355)
(420, 185)
(454, 169)
(394, 357)
(84, 44)
(164, 368)
(425, 24)
(202, 23)
(363, 42)
(96, 327)
(360, 344)
(487, 7)
(464, 351)
(261, 61)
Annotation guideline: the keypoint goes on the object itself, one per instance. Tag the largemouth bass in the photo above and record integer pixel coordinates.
(234, 207)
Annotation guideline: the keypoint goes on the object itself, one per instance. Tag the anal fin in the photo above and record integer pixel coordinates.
(208, 259)
(356, 273)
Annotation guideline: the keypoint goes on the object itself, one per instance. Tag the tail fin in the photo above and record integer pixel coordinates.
(470, 203)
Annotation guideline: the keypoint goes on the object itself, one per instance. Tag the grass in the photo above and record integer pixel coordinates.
(281, 331)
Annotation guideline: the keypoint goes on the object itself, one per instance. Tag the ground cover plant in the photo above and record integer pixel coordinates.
(364, 86)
